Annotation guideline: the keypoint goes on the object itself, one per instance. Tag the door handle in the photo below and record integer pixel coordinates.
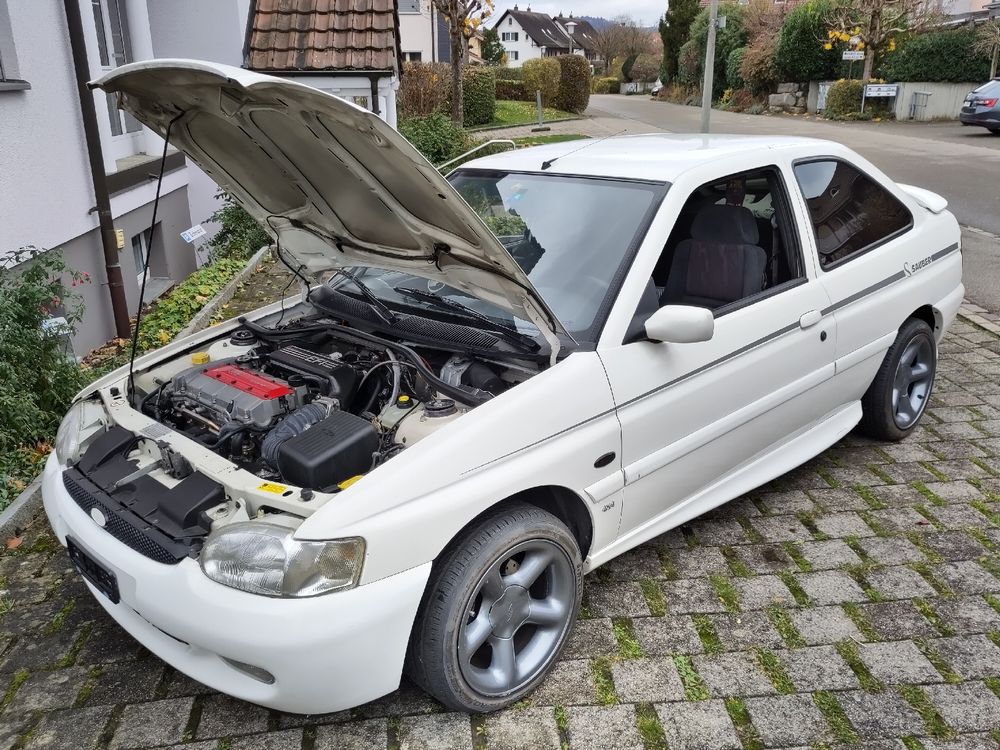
(811, 318)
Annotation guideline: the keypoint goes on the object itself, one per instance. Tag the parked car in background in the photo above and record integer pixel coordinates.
(982, 107)
(500, 381)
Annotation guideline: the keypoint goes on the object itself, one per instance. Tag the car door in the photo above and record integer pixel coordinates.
(693, 414)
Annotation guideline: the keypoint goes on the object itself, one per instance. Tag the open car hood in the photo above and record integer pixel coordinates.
(334, 184)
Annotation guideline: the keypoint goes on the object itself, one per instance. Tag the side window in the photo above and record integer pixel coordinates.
(734, 240)
(850, 212)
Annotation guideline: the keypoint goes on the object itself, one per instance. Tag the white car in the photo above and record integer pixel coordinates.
(412, 466)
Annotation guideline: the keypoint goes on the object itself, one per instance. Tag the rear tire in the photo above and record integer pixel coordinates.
(896, 399)
(995, 131)
(498, 609)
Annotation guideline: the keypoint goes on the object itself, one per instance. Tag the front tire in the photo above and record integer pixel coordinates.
(498, 609)
(896, 399)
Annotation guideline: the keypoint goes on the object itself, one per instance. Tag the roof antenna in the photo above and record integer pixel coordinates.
(588, 144)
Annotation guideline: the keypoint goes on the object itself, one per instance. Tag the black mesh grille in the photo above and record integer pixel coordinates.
(119, 528)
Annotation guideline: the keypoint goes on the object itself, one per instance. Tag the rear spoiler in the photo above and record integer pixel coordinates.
(931, 201)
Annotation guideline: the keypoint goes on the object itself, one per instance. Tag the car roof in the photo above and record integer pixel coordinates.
(657, 156)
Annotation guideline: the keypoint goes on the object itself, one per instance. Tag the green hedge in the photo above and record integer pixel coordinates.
(574, 83)
(542, 74)
(435, 136)
(734, 67)
(843, 100)
(479, 87)
(946, 56)
(607, 85)
(726, 40)
(513, 91)
(800, 55)
(509, 74)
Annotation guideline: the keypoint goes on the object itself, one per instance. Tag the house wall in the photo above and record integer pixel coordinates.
(526, 49)
(416, 30)
(945, 100)
(356, 89)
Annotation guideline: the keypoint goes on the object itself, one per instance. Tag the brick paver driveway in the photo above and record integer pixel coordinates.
(853, 601)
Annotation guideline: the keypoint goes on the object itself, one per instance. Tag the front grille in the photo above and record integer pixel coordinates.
(129, 531)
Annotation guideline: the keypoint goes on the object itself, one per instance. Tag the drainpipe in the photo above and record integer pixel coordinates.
(119, 306)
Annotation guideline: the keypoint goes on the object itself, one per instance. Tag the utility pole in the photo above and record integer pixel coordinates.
(706, 86)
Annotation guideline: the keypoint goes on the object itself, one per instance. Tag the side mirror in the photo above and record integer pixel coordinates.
(680, 324)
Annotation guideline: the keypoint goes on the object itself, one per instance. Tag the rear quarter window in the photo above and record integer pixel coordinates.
(850, 212)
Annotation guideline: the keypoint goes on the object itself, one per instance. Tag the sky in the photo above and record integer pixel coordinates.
(647, 12)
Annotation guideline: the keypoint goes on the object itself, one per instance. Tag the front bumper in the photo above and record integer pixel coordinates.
(326, 653)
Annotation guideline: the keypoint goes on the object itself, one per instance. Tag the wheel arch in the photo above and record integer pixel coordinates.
(931, 317)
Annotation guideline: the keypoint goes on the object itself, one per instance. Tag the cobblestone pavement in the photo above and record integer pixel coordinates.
(854, 601)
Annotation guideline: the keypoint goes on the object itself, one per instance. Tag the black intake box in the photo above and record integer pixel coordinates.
(338, 448)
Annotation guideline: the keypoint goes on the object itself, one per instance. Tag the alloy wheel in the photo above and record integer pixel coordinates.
(912, 382)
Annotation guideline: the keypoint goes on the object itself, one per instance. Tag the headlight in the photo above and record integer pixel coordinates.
(263, 558)
(83, 420)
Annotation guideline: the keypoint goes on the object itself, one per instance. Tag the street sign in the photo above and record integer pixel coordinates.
(190, 235)
(880, 90)
(854, 54)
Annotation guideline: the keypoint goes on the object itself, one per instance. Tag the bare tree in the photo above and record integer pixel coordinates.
(623, 37)
(872, 25)
(465, 18)
(608, 44)
(988, 43)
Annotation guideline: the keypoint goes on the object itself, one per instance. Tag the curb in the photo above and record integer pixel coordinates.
(480, 131)
(204, 316)
(23, 510)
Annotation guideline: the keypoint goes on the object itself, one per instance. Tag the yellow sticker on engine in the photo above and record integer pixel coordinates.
(275, 489)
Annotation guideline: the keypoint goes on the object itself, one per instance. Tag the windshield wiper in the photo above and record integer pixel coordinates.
(378, 305)
(508, 333)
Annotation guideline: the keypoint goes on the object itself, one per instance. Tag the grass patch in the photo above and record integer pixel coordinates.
(869, 497)
(694, 687)
(912, 743)
(828, 478)
(933, 721)
(924, 608)
(654, 597)
(922, 510)
(840, 725)
(877, 471)
(736, 566)
(928, 575)
(747, 732)
(628, 644)
(849, 652)
(541, 140)
(667, 564)
(510, 113)
(6, 605)
(982, 539)
(70, 658)
(860, 575)
(854, 612)
(650, 728)
(793, 585)
(924, 490)
(562, 718)
(786, 629)
(752, 534)
(15, 683)
(933, 470)
(795, 553)
(706, 632)
(995, 637)
(59, 619)
(726, 591)
(600, 668)
(917, 540)
(993, 683)
(987, 511)
(774, 671)
(877, 527)
(943, 667)
(992, 601)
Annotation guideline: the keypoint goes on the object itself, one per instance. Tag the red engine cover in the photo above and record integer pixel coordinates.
(248, 382)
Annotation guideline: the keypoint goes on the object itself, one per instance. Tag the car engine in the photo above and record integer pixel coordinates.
(306, 407)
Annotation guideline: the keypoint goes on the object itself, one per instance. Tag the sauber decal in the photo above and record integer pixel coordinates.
(912, 268)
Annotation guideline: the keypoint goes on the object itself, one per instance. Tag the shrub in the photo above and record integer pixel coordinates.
(607, 85)
(727, 39)
(734, 68)
(799, 55)
(425, 88)
(239, 235)
(574, 83)
(543, 75)
(938, 56)
(843, 100)
(757, 67)
(689, 64)
(435, 136)
(508, 90)
(740, 100)
(479, 88)
(509, 74)
(646, 68)
(173, 311)
(37, 377)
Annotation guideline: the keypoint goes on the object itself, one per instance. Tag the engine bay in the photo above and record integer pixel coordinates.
(316, 404)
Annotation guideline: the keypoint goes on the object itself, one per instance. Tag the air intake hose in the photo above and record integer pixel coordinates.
(294, 424)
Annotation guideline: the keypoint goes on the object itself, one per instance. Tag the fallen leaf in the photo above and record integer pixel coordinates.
(13, 542)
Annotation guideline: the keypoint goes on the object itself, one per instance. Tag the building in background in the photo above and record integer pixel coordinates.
(529, 36)
(350, 48)
(46, 187)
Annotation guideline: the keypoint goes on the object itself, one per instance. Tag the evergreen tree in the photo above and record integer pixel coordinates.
(674, 29)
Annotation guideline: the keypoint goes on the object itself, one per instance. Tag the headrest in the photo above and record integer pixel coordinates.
(725, 225)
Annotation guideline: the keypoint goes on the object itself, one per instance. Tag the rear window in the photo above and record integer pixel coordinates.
(991, 87)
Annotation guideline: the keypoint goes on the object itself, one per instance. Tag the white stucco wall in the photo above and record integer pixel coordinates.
(349, 87)
(416, 33)
(45, 185)
(524, 46)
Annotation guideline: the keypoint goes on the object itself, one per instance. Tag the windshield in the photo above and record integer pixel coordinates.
(572, 236)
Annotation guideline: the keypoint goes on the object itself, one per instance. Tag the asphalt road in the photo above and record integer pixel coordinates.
(962, 164)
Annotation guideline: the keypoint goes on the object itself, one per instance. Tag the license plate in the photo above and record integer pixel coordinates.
(100, 577)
